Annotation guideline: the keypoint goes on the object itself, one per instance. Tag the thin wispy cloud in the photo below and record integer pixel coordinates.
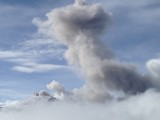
(29, 56)
(38, 68)
(10, 54)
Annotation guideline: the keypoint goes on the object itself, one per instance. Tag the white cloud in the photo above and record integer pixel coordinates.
(38, 42)
(37, 67)
(43, 47)
(23, 69)
(140, 107)
(10, 54)
(29, 56)
(153, 66)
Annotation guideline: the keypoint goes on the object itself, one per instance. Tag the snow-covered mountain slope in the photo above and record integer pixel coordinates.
(42, 97)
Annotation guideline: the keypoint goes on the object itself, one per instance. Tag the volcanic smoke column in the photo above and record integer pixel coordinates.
(79, 27)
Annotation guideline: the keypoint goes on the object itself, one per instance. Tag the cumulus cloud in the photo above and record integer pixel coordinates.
(153, 66)
(60, 91)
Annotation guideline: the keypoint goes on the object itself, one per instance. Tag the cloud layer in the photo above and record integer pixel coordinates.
(144, 106)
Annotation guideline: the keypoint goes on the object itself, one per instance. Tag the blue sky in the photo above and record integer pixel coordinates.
(29, 61)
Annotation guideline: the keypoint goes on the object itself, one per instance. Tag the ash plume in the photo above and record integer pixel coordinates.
(79, 27)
